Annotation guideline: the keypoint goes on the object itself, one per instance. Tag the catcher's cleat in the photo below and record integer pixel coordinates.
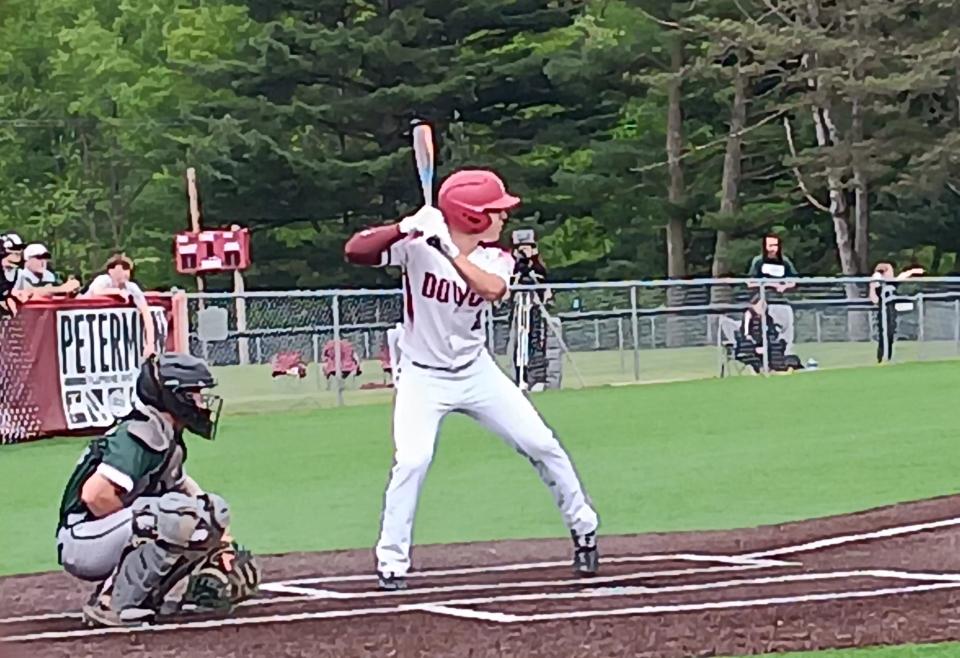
(174, 612)
(586, 555)
(100, 614)
(101, 593)
(389, 582)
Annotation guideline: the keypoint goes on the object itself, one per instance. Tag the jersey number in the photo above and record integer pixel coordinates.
(478, 323)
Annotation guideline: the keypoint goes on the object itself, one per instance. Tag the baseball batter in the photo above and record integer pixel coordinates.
(132, 520)
(450, 279)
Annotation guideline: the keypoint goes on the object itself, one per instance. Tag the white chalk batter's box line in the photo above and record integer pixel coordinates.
(304, 586)
(529, 566)
(600, 587)
(460, 608)
(299, 590)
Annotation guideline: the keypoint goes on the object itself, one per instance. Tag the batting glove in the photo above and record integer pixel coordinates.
(439, 237)
(425, 218)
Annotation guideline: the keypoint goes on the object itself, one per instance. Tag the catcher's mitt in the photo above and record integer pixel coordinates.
(225, 577)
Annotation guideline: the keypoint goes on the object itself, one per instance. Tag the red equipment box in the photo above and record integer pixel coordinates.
(217, 250)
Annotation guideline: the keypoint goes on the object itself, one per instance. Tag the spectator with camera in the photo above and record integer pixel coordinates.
(528, 268)
(530, 355)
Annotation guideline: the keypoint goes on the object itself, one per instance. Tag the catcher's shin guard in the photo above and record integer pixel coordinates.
(186, 529)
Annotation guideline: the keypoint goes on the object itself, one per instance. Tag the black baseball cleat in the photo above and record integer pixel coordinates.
(389, 582)
(586, 555)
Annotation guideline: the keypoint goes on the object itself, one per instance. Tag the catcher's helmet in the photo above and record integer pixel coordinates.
(467, 195)
(168, 382)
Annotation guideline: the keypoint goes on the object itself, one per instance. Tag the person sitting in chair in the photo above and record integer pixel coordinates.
(750, 343)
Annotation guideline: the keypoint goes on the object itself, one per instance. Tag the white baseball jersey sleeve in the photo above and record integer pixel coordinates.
(443, 318)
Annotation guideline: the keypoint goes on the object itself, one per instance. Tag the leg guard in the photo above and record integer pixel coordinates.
(171, 536)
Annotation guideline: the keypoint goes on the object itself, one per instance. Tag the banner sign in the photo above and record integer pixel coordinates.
(69, 366)
(100, 354)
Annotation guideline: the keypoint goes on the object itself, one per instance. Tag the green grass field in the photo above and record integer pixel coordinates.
(703, 454)
(250, 389)
(689, 455)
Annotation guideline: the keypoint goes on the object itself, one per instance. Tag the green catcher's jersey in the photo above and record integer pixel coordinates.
(135, 468)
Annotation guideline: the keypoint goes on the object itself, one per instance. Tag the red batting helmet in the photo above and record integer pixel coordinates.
(467, 195)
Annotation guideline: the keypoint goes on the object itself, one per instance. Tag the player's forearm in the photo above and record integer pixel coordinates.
(916, 271)
(100, 496)
(44, 291)
(367, 247)
(489, 286)
(189, 486)
(49, 291)
(106, 291)
(148, 329)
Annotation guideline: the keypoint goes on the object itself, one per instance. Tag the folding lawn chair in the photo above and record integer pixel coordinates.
(349, 364)
(727, 329)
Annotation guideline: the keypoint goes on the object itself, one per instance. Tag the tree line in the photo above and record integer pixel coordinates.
(648, 138)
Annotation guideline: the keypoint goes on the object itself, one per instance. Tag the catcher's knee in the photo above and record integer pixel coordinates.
(191, 522)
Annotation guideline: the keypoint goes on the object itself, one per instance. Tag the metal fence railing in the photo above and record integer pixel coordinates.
(639, 331)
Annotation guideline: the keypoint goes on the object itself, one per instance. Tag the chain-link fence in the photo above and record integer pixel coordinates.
(612, 332)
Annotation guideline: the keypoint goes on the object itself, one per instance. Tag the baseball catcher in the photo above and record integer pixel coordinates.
(134, 522)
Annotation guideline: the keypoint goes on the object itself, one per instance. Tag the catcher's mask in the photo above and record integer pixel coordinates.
(175, 383)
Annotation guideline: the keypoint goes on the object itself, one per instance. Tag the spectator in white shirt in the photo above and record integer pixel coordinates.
(115, 281)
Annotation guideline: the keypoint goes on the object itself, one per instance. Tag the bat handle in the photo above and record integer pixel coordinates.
(434, 242)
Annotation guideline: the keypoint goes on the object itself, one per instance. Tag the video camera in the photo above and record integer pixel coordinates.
(527, 266)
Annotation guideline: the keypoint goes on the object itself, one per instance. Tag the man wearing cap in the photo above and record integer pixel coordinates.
(39, 280)
(11, 257)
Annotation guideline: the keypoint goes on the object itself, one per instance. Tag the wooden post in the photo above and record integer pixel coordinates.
(243, 343)
(195, 220)
(243, 346)
(195, 223)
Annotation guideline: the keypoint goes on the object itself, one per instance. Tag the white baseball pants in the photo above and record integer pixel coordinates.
(90, 550)
(483, 392)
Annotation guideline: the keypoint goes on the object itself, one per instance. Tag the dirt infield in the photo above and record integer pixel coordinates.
(887, 576)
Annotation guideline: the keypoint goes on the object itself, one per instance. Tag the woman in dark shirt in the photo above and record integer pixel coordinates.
(772, 264)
